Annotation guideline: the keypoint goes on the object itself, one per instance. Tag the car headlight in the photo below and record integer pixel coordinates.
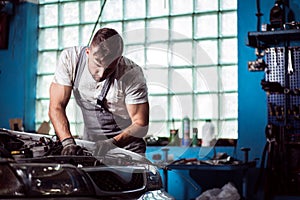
(53, 179)
(154, 181)
(11, 185)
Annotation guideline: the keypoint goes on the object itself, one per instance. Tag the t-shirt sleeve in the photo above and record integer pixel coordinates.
(64, 71)
(136, 90)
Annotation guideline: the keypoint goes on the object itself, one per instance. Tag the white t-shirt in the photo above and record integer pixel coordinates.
(129, 86)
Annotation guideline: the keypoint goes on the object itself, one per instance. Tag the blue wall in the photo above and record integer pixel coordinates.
(18, 67)
(252, 112)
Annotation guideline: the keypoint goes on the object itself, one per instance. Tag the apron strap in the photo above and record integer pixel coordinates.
(101, 100)
(79, 66)
(104, 91)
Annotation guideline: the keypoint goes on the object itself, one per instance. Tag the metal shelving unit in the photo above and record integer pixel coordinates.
(282, 86)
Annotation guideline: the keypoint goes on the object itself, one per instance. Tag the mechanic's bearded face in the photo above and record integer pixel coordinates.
(101, 64)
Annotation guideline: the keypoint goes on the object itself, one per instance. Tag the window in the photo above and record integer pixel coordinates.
(188, 50)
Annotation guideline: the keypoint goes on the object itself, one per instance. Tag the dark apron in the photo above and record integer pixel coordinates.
(99, 122)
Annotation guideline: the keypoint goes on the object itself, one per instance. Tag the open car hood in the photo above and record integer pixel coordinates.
(29, 138)
(31, 167)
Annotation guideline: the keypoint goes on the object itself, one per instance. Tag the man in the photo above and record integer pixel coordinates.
(111, 91)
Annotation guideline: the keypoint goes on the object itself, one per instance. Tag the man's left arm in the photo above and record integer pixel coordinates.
(139, 114)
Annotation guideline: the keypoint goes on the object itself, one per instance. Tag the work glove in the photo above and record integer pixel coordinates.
(70, 147)
(103, 146)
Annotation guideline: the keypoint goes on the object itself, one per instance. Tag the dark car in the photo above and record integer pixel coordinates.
(32, 168)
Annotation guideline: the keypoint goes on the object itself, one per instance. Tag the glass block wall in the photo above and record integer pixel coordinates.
(187, 49)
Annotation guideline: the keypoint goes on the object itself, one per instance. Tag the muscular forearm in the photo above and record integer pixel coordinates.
(59, 98)
(139, 114)
(60, 122)
(131, 133)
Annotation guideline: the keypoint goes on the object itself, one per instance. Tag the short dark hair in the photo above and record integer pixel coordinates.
(114, 42)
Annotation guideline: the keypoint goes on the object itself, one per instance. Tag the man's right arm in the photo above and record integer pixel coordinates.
(59, 98)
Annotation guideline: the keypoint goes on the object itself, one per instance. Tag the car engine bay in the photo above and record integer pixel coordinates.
(31, 166)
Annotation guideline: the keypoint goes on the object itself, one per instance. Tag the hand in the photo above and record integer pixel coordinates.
(103, 146)
(70, 147)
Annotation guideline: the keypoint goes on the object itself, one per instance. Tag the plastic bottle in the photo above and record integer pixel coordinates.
(174, 138)
(195, 137)
(208, 133)
(185, 132)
